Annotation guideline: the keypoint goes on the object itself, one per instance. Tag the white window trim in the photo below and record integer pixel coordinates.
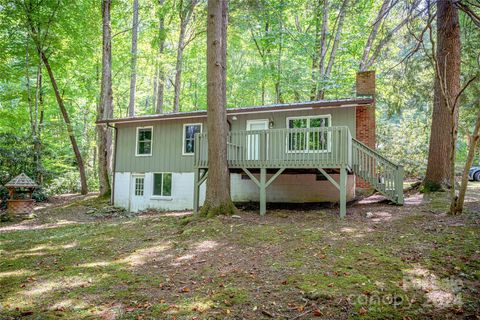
(184, 136)
(157, 197)
(256, 121)
(136, 142)
(134, 177)
(329, 137)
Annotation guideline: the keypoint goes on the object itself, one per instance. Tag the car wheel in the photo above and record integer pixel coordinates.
(476, 176)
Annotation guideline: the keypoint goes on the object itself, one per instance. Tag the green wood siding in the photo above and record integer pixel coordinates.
(168, 135)
(344, 116)
(166, 148)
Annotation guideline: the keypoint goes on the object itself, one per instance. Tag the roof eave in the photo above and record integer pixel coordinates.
(236, 111)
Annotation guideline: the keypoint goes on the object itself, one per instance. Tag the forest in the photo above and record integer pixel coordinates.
(278, 52)
(119, 110)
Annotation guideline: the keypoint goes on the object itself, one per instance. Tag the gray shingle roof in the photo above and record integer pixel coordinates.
(21, 181)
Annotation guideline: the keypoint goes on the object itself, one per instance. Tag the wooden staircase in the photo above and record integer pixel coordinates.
(380, 173)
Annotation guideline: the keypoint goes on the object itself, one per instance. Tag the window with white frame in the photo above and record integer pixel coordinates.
(308, 140)
(144, 141)
(189, 131)
(139, 186)
(162, 184)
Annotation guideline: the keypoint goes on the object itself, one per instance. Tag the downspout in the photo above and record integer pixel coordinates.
(112, 194)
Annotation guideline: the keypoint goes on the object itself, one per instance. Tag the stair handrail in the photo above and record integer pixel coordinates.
(375, 153)
(397, 194)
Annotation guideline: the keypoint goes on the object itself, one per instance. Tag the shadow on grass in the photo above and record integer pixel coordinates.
(164, 266)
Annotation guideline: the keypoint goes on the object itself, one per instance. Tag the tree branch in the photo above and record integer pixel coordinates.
(463, 89)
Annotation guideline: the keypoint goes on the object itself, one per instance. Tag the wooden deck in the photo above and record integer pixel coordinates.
(303, 148)
(283, 148)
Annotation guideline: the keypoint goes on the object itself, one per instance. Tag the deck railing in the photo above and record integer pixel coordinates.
(276, 148)
(381, 173)
(331, 147)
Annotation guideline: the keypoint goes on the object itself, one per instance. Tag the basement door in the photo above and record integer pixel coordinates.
(137, 191)
(253, 139)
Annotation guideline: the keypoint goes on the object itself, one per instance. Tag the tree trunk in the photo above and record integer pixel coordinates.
(218, 183)
(185, 15)
(336, 41)
(447, 88)
(373, 34)
(133, 64)
(457, 205)
(178, 68)
(33, 111)
(278, 75)
(320, 50)
(38, 120)
(105, 107)
(323, 52)
(160, 83)
(66, 118)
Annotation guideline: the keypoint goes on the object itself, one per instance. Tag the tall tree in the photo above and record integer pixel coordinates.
(376, 43)
(186, 8)
(446, 63)
(217, 199)
(35, 106)
(320, 52)
(133, 61)
(325, 48)
(457, 203)
(268, 37)
(105, 107)
(160, 72)
(38, 123)
(38, 38)
(382, 14)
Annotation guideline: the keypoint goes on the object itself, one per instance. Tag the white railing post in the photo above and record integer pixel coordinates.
(399, 184)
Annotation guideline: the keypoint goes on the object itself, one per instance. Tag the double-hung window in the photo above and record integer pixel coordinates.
(144, 141)
(189, 131)
(314, 138)
(162, 184)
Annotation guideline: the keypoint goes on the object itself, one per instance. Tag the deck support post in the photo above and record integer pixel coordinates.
(197, 182)
(343, 192)
(263, 184)
(263, 191)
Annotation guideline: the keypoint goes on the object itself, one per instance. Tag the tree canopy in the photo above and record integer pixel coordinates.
(278, 51)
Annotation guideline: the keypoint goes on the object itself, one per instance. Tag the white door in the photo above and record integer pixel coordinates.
(137, 191)
(253, 140)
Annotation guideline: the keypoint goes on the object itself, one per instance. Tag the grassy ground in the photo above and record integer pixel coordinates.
(382, 261)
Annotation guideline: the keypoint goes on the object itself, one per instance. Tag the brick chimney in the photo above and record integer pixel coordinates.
(365, 115)
(366, 84)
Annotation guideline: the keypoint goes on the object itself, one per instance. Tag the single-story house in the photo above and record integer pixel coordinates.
(316, 151)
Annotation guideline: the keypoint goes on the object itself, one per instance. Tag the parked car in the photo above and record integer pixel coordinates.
(474, 173)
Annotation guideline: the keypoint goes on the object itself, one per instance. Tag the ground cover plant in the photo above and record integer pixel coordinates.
(78, 260)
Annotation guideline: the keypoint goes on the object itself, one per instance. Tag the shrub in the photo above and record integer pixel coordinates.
(40, 195)
(68, 182)
(3, 197)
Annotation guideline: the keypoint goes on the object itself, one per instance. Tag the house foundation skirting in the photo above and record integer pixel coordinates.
(293, 188)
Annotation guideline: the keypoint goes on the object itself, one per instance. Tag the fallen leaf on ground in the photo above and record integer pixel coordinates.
(317, 313)
(363, 311)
